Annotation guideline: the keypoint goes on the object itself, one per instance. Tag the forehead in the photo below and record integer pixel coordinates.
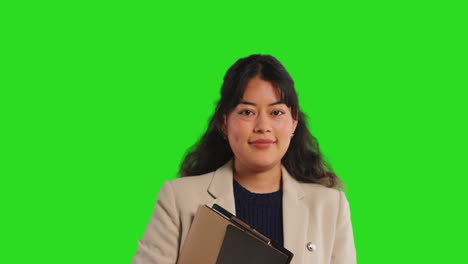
(261, 91)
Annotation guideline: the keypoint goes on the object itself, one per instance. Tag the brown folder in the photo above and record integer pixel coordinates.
(218, 237)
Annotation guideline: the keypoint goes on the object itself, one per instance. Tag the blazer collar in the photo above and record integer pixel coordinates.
(295, 212)
(221, 186)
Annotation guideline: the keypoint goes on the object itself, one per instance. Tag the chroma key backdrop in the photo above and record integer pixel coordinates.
(100, 100)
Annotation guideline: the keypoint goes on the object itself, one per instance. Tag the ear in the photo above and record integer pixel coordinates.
(294, 125)
(295, 121)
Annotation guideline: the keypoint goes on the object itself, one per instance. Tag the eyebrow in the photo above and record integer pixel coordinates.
(254, 104)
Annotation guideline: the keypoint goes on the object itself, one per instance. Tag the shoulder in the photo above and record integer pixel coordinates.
(192, 182)
(184, 195)
(314, 189)
(319, 195)
(187, 188)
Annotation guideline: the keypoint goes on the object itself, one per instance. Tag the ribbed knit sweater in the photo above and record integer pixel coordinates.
(262, 211)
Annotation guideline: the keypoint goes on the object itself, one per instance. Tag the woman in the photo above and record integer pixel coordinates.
(259, 161)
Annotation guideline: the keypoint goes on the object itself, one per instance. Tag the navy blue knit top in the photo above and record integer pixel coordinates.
(262, 211)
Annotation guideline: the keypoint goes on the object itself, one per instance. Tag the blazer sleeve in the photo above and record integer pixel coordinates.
(344, 251)
(160, 242)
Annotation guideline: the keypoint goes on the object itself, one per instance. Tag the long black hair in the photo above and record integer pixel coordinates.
(302, 160)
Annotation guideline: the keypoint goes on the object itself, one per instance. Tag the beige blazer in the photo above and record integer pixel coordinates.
(316, 219)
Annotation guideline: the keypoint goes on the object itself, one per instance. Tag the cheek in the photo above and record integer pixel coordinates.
(283, 129)
(238, 130)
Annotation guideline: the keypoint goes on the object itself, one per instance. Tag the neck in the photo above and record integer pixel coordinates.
(264, 180)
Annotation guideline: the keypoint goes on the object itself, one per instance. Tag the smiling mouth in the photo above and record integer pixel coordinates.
(262, 145)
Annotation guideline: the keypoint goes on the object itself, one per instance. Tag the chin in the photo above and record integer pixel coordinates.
(262, 163)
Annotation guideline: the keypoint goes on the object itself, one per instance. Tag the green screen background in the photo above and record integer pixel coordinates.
(100, 100)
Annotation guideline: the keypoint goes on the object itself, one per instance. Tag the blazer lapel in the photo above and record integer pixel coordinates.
(295, 213)
(221, 188)
(295, 217)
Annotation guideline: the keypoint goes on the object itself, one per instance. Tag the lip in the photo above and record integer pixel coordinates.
(262, 143)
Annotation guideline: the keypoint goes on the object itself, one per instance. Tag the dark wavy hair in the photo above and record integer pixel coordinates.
(302, 160)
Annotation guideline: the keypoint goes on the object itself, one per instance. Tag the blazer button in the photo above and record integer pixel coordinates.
(311, 247)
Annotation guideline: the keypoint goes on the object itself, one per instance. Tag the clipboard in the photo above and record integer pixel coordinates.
(218, 237)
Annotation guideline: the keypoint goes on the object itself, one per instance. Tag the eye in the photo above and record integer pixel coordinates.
(246, 112)
(278, 112)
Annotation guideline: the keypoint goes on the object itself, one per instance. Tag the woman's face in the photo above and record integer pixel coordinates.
(259, 128)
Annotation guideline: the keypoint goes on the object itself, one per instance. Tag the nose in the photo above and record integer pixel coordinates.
(262, 124)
